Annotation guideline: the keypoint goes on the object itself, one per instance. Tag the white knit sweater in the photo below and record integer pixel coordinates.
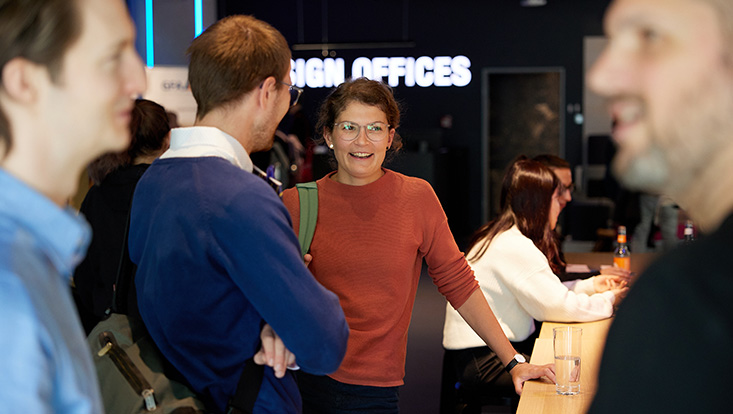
(520, 286)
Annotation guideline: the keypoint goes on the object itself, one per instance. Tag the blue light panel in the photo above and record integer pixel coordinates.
(149, 48)
(149, 37)
(198, 18)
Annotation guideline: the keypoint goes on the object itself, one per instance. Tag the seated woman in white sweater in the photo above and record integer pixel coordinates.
(516, 258)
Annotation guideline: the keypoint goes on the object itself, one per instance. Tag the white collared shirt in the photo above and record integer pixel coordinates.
(202, 141)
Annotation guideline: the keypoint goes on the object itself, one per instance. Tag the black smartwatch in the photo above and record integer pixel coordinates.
(518, 359)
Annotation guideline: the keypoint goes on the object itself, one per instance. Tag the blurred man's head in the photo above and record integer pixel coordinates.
(668, 75)
(70, 73)
(38, 32)
(562, 170)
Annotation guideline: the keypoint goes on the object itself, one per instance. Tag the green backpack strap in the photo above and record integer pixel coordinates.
(308, 194)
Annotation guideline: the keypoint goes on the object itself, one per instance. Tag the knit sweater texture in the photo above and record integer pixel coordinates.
(368, 248)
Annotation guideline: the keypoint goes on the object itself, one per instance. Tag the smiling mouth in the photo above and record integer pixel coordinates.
(361, 155)
(628, 115)
(625, 113)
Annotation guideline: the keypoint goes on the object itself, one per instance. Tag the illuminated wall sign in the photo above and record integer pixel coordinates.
(424, 71)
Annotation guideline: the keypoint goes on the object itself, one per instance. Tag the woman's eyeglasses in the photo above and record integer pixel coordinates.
(562, 189)
(348, 131)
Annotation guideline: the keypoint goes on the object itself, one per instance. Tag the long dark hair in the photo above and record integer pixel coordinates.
(527, 192)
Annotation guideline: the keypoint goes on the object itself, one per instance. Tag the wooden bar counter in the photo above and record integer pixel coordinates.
(539, 396)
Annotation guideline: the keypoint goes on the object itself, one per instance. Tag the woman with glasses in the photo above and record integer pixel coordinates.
(374, 229)
(516, 258)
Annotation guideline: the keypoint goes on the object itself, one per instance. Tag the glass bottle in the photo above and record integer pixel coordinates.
(622, 255)
(689, 235)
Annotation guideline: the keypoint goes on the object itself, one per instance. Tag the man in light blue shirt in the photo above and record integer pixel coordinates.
(69, 73)
(44, 359)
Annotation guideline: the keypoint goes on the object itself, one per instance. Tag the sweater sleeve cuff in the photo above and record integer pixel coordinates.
(584, 286)
(609, 295)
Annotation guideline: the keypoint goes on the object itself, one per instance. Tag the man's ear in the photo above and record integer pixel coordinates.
(20, 79)
(267, 91)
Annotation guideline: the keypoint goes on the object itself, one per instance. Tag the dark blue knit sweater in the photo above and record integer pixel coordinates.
(217, 258)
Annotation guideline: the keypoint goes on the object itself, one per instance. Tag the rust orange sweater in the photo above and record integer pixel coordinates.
(368, 248)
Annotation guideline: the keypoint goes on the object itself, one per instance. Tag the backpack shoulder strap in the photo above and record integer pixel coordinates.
(248, 388)
(308, 194)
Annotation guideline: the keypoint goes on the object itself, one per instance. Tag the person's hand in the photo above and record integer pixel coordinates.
(523, 372)
(602, 283)
(307, 258)
(620, 294)
(616, 271)
(273, 352)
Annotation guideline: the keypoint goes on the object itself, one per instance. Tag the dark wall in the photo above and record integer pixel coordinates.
(491, 33)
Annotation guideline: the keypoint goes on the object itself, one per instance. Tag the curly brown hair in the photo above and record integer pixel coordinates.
(368, 92)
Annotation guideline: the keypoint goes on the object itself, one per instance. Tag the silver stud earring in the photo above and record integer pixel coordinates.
(330, 146)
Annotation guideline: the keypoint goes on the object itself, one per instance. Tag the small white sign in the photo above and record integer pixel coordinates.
(168, 86)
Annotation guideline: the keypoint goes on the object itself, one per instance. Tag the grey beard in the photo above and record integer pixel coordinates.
(648, 173)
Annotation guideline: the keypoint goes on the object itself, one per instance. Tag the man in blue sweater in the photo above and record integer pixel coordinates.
(218, 262)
